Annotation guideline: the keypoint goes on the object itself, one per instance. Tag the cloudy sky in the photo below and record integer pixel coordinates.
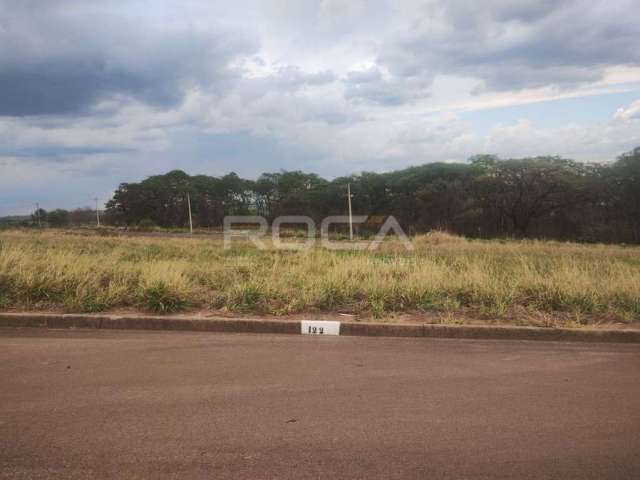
(98, 92)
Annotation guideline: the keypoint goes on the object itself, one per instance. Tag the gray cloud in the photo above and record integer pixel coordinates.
(370, 86)
(511, 45)
(55, 63)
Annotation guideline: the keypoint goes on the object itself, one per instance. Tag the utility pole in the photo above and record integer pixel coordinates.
(350, 215)
(38, 213)
(97, 212)
(190, 221)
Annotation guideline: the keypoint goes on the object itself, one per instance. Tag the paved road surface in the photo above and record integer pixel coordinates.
(95, 404)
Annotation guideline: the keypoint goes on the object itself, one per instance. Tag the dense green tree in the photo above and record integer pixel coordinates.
(626, 192)
(549, 197)
(58, 218)
(519, 192)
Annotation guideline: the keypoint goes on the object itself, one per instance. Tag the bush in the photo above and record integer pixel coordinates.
(159, 297)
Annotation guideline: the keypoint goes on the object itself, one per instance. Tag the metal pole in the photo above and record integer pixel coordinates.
(190, 221)
(97, 212)
(38, 213)
(350, 215)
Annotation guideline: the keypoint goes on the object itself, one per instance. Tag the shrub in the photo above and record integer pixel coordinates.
(159, 297)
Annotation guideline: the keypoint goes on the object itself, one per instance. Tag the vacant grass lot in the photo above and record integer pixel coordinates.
(445, 277)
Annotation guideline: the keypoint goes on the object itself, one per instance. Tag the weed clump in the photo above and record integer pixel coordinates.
(159, 297)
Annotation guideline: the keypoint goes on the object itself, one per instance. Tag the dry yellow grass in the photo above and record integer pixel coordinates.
(446, 274)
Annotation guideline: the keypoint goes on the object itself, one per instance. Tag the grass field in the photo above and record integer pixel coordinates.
(446, 278)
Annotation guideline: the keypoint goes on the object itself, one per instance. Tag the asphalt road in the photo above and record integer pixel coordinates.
(96, 404)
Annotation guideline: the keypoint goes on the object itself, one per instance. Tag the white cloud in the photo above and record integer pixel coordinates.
(632, 112)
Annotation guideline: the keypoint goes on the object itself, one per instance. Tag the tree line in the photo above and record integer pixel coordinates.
(544, 197)
(57, 218)
(486, 197)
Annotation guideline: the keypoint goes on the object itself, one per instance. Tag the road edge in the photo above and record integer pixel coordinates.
(239, 325)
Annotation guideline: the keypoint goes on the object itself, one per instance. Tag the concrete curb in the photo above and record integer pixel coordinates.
(115, 322)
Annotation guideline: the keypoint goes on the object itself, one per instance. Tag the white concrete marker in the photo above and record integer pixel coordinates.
(320, 327)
